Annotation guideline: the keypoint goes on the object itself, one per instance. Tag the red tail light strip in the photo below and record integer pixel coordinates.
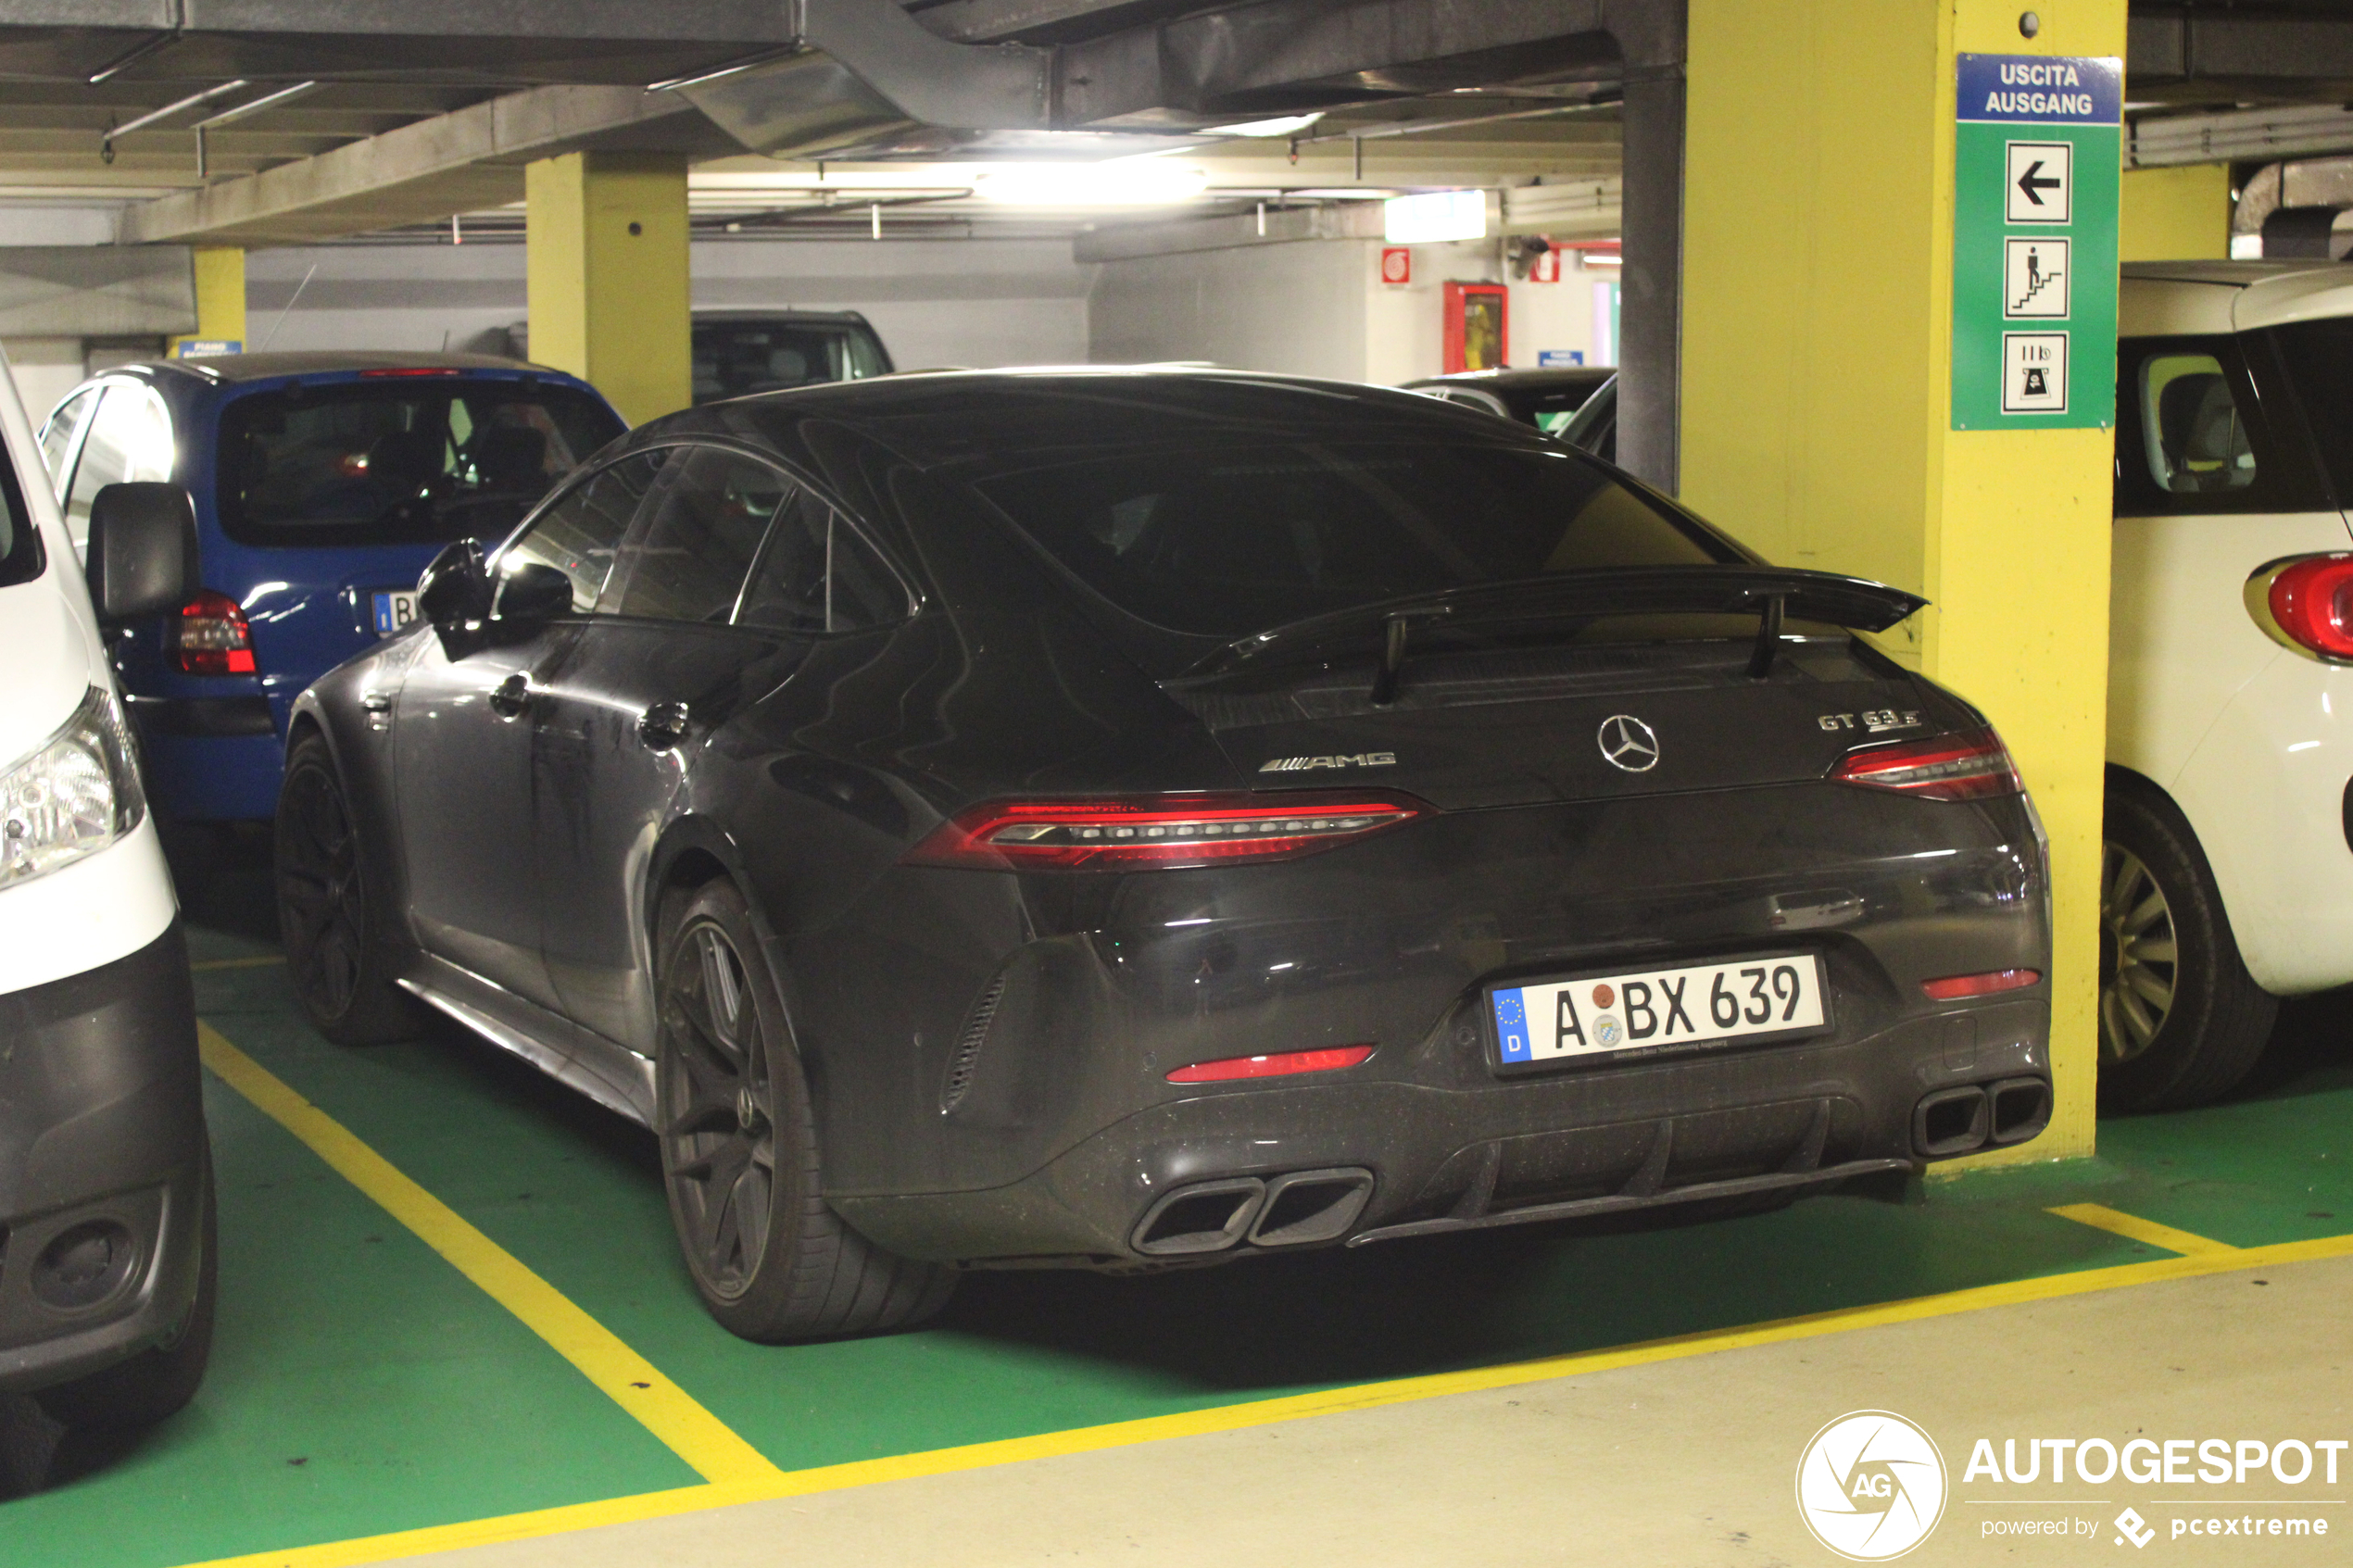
(1971, 765)
(210, 638)
(1160, 831)
(1281, 1064)
(1952, 988)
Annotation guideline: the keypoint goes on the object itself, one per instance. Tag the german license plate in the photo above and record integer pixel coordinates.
(1548, 1023)
(396, 612)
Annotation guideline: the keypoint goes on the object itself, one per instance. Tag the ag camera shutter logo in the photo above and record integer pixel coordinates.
(1870, 1486)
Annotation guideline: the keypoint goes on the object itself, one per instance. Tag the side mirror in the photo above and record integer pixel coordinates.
(532, 594)
(142, 553)
(455, 585)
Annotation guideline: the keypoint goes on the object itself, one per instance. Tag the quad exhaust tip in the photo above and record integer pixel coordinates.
(1286, 1211)
(1976, 1116)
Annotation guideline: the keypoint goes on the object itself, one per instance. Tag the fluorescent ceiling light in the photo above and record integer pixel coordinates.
(1435, 217)
(1282, 126)
(1121, 182)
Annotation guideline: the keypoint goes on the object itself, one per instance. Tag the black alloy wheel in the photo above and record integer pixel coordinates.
(770, 1258)
(340, 952)
(722, 1137)
(2181, 1020)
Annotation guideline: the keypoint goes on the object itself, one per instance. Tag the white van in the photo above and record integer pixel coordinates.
(2228, 880)
(107, 1261)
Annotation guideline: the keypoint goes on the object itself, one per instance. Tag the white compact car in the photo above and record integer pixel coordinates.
(2228, 880)
(106, 1271)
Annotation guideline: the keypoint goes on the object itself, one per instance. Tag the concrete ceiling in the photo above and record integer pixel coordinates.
(421, 108)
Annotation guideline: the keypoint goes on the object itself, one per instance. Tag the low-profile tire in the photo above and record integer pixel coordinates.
(342, 950)
(158, 1381)
(770, 1258)
(2181, 1020)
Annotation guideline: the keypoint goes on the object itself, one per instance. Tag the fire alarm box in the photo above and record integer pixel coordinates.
(1478, 327)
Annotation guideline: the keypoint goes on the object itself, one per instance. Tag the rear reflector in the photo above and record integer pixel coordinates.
(1156, 832)
(1971, 765)
(1280, 1066)
(1954, 987)
(211, 637)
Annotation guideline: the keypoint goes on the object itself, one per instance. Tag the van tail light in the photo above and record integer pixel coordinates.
(1971, 765)
(2305, 604)
(1155, 832)
(209, 637)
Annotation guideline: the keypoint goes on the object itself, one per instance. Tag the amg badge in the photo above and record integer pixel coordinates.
(1302, 764)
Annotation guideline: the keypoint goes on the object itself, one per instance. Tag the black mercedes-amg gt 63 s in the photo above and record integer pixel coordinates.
(1121, 819)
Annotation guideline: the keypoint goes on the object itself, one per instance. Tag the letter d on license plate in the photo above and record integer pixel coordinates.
(1546, 1022)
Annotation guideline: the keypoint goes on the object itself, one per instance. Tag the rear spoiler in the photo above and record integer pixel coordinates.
(1767, 592)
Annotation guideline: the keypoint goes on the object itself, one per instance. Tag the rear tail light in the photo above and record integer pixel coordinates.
(1157, 832)
(2305, 604)
(409, 370)
(1971, 765)
(210, 638)
(1955, 988)
(1281, 1064)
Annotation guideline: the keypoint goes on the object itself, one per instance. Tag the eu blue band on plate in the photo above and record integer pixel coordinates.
(1511, 1025)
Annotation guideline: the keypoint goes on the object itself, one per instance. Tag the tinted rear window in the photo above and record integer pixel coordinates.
(737, 359)
(2319, 356)
(1234, 539)
(408, 461)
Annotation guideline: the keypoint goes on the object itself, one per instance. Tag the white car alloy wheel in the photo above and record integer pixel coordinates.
(2138, 955)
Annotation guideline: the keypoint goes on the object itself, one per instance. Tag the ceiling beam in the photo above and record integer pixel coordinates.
(463, 161)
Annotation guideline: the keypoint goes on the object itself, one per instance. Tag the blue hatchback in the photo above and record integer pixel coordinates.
(323, 484)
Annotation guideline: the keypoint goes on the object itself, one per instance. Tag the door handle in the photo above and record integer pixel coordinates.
(376, 702)
(511, 695)
(663, 725)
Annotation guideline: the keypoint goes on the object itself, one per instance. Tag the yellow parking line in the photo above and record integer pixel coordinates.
(627, 1378)
(1266, 1412)
(2101, 1217)
(264, 961)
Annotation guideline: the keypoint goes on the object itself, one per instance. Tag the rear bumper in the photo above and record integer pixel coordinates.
(101, 1129)
(212, 777)
(1590, 1142)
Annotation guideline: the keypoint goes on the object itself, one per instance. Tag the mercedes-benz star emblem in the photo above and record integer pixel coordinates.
(1628, 743)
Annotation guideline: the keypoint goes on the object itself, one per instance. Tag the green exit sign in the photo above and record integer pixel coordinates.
(2035, 172)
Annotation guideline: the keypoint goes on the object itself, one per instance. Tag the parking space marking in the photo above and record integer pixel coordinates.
(264, 961)
(2133, 1228)
(712, 1448)
(2216, 1259)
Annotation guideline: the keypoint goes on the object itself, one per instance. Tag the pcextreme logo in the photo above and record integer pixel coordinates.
(1870, 1486)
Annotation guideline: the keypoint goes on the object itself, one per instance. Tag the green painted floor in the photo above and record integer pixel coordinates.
(359, 1384)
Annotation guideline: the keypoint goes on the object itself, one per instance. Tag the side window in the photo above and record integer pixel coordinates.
(580, 534)
(820, 575)
(129, 439)
(693, 547)
(2194, 434)
(57, 436)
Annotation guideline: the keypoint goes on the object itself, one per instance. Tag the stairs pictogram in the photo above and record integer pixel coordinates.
(2036, 282)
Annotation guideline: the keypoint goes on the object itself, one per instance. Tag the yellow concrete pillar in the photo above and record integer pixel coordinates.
(220, 298)
(2175, 214)
(1817, 335)
(606, 259)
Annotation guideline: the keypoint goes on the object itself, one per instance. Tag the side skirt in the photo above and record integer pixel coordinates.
(613, 1075)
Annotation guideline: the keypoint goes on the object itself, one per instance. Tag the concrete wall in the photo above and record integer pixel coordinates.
(1318, 308)
(935, 302)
